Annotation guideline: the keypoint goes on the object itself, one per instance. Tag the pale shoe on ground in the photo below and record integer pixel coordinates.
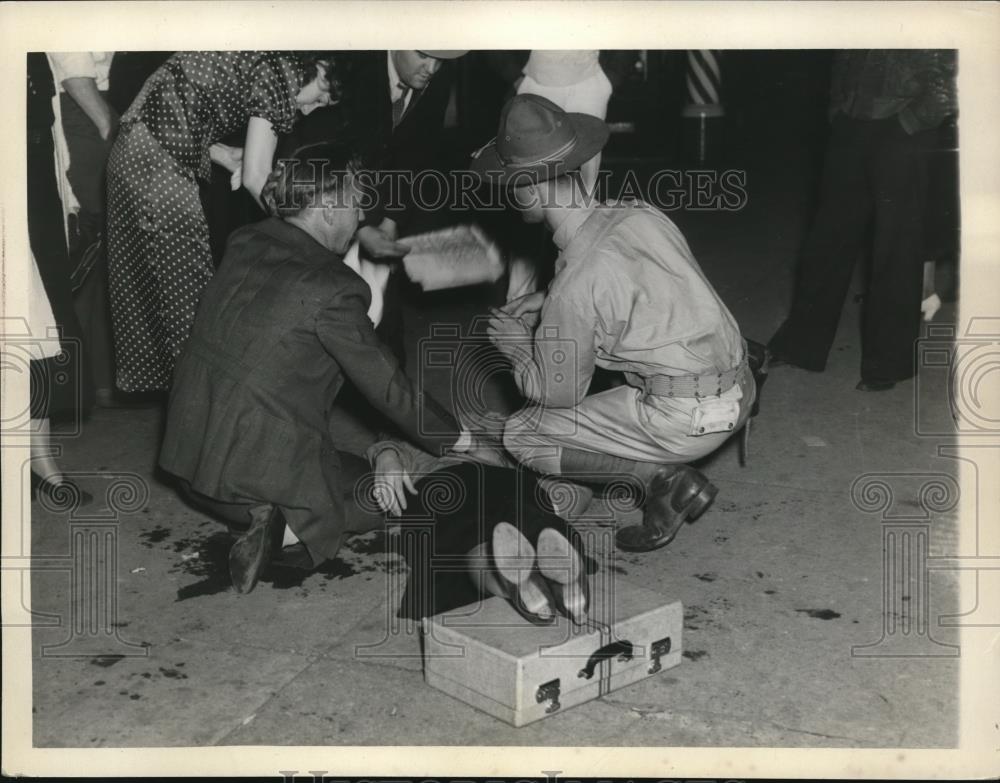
(514, 561)
(561, 564)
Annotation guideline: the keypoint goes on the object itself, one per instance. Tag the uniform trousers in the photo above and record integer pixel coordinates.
(622, 422)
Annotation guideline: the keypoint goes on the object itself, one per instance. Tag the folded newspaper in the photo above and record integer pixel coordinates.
(451, 258)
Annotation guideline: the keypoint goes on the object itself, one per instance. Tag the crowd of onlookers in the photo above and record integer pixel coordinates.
(184, 251)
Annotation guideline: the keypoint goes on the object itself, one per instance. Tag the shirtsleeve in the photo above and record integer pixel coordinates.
(73, 65)
(275, 80)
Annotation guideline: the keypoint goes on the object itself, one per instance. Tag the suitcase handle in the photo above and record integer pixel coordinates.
(622, 650)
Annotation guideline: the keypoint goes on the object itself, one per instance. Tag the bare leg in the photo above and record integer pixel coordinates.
(43, 462)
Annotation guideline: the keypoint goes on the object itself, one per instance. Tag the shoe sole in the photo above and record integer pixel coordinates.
(558, 560)
(244, 581)
(514, 561)
(560, 563)
(513, 554)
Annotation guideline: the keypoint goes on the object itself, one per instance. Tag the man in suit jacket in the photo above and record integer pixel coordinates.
(392, 111)
(250, 431)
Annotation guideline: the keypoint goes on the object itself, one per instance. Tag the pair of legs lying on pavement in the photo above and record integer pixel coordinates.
(505, 528)
(471, 531)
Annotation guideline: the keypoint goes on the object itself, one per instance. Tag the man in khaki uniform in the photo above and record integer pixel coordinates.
(627, 296)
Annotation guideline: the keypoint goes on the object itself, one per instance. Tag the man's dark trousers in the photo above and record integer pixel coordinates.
(874, 185)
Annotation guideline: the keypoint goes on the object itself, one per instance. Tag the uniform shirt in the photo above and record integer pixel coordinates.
(72, 65)
(627, 296)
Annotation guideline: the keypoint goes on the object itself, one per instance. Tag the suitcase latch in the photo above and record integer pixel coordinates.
(549, 691)
(656, 650)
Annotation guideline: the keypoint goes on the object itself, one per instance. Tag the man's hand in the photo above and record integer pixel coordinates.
(528, 308)
(523, 305)
(379, 244)
(391, 482)
(509, 334)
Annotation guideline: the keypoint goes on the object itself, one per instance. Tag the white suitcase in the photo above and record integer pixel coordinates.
(491, 658)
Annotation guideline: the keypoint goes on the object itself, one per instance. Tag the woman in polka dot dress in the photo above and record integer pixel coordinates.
(158, 242)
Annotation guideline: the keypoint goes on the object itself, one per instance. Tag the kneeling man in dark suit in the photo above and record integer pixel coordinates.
(252, 425)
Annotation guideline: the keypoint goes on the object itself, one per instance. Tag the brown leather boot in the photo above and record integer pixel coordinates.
(676, 494)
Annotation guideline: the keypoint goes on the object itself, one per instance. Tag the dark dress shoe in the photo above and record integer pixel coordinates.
(252, 551)
(875, 386)
(60, 494)
(676, 494)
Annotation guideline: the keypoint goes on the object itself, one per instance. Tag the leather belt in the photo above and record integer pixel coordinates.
(708, 385)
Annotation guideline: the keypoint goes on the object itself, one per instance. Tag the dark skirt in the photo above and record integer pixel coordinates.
(456, 509)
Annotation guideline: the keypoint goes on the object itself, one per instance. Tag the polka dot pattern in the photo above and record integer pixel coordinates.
(158, 249)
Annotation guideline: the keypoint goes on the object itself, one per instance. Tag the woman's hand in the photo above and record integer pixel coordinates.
(391, 482)
(231, 159)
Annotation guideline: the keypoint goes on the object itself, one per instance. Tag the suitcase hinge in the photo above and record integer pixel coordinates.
(656, 651)
(549, 691)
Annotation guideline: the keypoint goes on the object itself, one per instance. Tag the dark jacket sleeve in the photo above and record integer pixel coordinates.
(348, 336)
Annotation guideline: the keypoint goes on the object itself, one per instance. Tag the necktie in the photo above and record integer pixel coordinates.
(399, 105)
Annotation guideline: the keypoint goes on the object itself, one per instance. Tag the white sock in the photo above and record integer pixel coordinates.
(289, 538)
